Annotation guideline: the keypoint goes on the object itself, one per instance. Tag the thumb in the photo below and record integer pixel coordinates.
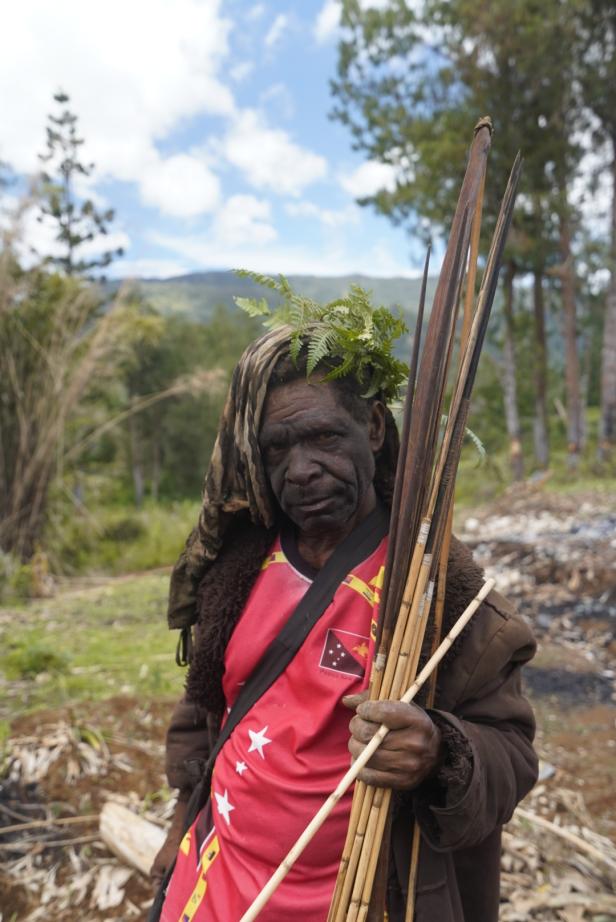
(353, 701)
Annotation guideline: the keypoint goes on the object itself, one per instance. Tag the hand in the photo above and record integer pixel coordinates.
(166, 856)
(409, 753)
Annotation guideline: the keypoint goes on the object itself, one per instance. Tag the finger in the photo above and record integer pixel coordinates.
(379, 779)
(396, 715)
(353, 701)
(400, 761)
(362, 730)
(397, 744)
(407, 740)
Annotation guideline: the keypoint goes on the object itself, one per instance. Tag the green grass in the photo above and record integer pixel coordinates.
(88, 644)
(120, 538)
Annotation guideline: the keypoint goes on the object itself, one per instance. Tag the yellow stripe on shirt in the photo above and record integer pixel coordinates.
(210, 852)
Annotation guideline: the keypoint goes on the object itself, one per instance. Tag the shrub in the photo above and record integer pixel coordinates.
(27, 660)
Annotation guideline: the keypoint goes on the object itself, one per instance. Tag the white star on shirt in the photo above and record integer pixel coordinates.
(258, 741)
(223, 806)
(240, 767)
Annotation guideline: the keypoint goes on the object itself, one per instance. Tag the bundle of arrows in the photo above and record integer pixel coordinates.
(420, 527)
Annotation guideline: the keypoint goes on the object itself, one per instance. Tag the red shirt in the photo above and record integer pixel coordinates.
(286, 755)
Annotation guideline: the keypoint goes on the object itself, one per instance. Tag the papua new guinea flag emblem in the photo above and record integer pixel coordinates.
(345, 652)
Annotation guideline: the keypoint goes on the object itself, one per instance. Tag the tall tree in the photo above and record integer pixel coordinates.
(512, 415)
(599, 84)
(78, 222)
(409, 85)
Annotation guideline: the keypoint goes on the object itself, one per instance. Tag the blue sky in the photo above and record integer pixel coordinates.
(208, 123)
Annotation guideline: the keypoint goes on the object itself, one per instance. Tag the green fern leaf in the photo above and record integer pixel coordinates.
(254, 307)
(354, 336)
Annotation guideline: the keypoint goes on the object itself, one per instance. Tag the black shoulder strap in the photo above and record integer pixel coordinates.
(362, 542)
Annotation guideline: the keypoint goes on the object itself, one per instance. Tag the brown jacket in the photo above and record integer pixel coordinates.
(489, 765)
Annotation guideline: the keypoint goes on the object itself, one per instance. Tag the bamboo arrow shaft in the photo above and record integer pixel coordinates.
(319, 818)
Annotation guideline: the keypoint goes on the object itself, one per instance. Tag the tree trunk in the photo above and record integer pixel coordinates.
(607, 422)
(156, 466)
(136, 461)
(540, 422)
(512, 417)
(572, 364)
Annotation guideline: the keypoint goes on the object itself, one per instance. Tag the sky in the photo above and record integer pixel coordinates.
(208, 125)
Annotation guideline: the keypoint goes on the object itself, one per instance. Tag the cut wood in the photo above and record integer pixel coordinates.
(50, 821)
(570, 837)
(133, 839)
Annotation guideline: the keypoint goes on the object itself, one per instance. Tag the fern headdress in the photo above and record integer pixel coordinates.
(354, 336)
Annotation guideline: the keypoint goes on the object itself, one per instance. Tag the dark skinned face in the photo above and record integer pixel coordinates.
(319, 459)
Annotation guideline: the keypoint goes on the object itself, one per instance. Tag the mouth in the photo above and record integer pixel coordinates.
(312, 505)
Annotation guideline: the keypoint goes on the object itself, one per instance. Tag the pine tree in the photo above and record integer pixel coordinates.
(78, 221)
(598, 27)
(413, 79)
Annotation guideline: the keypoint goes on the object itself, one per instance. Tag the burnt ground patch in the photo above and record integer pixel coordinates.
(573, 689)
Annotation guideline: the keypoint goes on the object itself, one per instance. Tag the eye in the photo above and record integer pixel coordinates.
(325, 438)
(274, 450)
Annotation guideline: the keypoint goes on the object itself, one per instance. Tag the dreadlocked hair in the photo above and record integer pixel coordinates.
(349, 391)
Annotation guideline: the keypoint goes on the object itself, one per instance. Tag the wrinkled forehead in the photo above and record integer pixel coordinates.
(302, 399)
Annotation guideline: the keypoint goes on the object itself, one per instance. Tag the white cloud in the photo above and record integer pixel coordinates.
(276, 30)
(181, 185)
(255, 12)
(327, 22)
(327, 216)
(134, 72)
(242, 70)
(278, 99)
(332, 257)
(368, 178)
(268, 158)
(244, 219)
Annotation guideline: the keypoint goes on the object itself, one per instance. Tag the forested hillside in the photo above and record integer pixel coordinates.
(197, 295)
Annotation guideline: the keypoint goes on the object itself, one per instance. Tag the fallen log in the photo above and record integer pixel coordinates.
(131, 838)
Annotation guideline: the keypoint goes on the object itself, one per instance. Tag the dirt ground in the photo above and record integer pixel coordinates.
(555, 556)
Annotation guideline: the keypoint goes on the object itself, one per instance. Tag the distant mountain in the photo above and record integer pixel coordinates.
(196, 295)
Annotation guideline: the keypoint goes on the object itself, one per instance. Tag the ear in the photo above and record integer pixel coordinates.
(376, 426)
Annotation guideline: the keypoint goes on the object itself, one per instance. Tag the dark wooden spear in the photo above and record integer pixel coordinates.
(402, 485)
(459, 406)
(425, 416)
(442, 331)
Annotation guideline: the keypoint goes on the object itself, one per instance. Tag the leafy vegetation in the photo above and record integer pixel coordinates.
(348, 334)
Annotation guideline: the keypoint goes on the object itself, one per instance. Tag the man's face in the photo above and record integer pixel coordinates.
(319, 459)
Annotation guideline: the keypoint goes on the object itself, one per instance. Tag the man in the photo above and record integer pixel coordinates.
(302, 472)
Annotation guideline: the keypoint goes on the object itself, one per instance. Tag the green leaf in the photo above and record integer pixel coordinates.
(253, 307)
(347, 333)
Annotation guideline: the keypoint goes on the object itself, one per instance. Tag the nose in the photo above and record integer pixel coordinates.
(301, 467)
